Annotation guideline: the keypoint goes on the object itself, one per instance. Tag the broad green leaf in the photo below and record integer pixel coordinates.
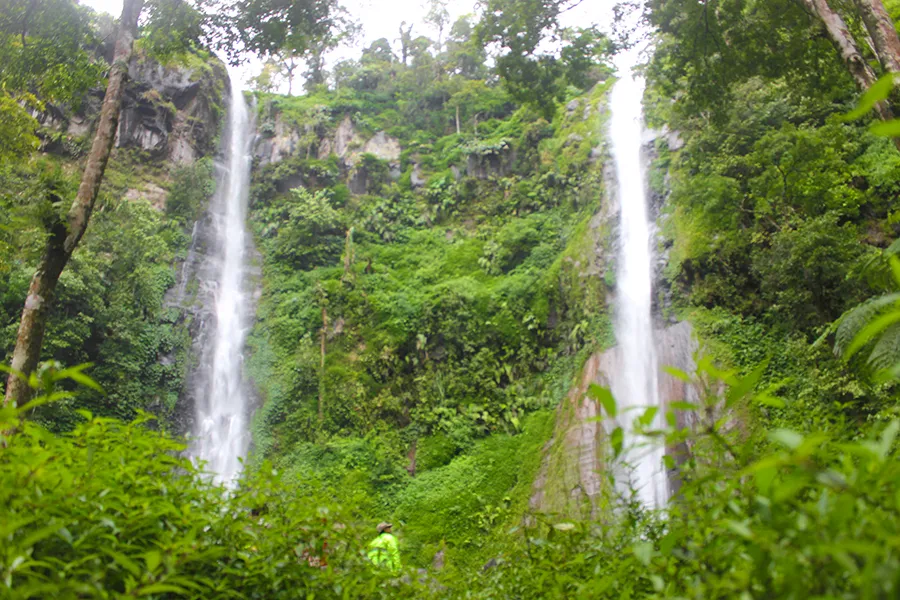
(76, 375)
(894, 262)
(643, 551)
(677, 373)
(745, 385)
(161, 588)
(42, 400)
(646, 419)
(887, 128)
(739, 528)
(789, 487)
(617, 439)
(605, 398)
(888, 436)
(14, 372)
(123, 561)
(786, 437)
(877, 92)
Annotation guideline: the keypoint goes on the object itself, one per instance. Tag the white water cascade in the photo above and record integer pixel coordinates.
(221, 435)
(635, 383)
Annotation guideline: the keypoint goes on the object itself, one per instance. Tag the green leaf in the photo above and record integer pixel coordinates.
(14, 372)
(894, 262)
(786, 437)
(643, 551)
(123, 561)
(745, 385)
(739, 528)
(877, 92)
(647, 418)
(605, 398)
(617, 439)
(76, 375)
(888, 436)
(42, 400)
(677, 373)
(161, 588)
(886, 128)
(152, 559)
(34, 537)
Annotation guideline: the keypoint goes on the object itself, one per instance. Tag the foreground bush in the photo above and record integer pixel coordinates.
(115, 510)
(760, 514)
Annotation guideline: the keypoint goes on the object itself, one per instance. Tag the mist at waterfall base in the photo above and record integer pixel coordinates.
(635, 384)
(221, 434)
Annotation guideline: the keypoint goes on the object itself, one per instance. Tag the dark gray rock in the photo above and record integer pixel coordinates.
(172, 111)
(491, 164)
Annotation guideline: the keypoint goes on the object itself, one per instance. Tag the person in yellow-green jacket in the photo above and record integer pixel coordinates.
(384, 551)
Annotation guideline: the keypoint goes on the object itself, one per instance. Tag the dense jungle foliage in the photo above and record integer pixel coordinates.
(437, 258)
(110, 307)
(455, 304)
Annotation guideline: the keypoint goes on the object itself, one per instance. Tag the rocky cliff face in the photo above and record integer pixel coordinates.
(573, 479)
(171, 112)
(574, 474)
(336, 135)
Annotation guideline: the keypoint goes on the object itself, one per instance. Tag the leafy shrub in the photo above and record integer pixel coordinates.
(114, 509)
(191, 187)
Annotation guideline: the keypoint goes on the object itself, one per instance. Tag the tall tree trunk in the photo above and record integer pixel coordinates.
(64, 239)
(457, 119)
(883, 33)
(843, 40)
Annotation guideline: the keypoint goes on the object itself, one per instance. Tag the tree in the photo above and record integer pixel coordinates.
(438, 17)
(289, 29)
(522, 29)
(266, 80)
(342, 30)
(881, 29)
(464, 55)
(63, 238)
(287, 63)
(848, 49)
(42, 59)
(717, 43)
(405, 40)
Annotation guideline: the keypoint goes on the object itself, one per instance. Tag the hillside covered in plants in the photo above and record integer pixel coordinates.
(434, 251)
(424, 287)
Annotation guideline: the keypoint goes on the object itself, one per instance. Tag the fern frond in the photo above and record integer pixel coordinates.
(854, 320)
(886, 352)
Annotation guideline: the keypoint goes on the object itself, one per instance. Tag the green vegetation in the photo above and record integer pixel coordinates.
(436, 260)
(111, 305)
(453, 282)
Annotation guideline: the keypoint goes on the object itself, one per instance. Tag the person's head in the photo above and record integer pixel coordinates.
(384, 527)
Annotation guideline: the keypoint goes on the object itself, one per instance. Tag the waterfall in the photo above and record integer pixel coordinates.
(634, 383)
(221, 435)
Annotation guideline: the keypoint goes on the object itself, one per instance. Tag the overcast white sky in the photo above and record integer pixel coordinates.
(382, 18)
